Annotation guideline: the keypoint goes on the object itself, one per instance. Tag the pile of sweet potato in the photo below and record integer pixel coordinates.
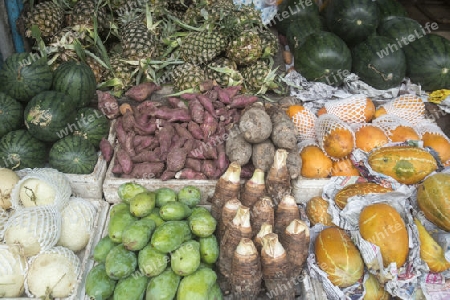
(182, 137)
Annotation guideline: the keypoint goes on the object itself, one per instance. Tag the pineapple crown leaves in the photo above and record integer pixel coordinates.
(235, 78)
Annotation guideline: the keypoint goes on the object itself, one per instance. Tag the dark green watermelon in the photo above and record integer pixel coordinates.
(25, 75)
(50, 115)
(428, 62)
(11, 114)
(92, 125)
(301, 28)
(374, 67)
(20, 150)
(77, 80)
(388, 8)
(352, 20)
(290, 10)
(323, 57)
(400, 29)
(73, 155)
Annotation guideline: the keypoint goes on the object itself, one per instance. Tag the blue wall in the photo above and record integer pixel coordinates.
(13, 8)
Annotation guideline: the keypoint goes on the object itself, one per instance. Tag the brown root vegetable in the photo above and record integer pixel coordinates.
(128, 121)
(164, 137)
(209, 148)
(263, 154)
(172, 114)
(294, 163)
(295, 240)
(278, 180)
(166, 175)
(209, 168)
(207, 104)
(125, 161)
(189, 96)
(147, 170)
(232, 91)
(147, 142)
(206, 85)
(255, 124)
(108, 104)
(229, 211)
(175, 102)
(227, 188)
(209, 125)
(246, 274)
(284, 135)
(237, 148)
(148, 156)
(276, 269)
(182, 131)
(142, 91)
(198, 150)
(286, 212)
(176, 159)
(222, 162)
(129, 144)
(262, 212)
(253, 189)
(146, 128)
(196, 111)
(242, 101)
(195, 130)
(117, 168)
(212, 95)
(266, 228)
(124, 108)
(247, 170)
(120, 132)
(190, 174)
(106, 149)
(194, 164)
(223, 96)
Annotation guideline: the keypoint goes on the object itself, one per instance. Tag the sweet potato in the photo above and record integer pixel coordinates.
(206, 85)
(232, 90)
(129, 144)
(106, 149)
(195, 130)
(207, 104)
(124, 160)
(128, 121)
(213, 95)
(241, 101)
(108, 104)
(194, 164)
(209, 168)
(147, 142)
(189, 96)
(148, 156)
(165, 137)
(189, 145)
(117, 168)
(190, 174)
(172, 114)
(222, 161)
(294, 163)
(120, 132)
(142, 91)
(223, 96)
(175, 102)
(198, 150)
(176, 158)
(182, 131)
(196, 110)
(147, 107)
(166, 175)
(237, 148)
(146, 128)
(263, 154)
(147, 170)
(209, 126)
(255, 124)
(210, 149)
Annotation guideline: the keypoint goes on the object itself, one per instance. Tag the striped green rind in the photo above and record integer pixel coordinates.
(19, 150)
(399, 28)
(383, 72)
(389, 8)
(77, 80)
(92, 125)
(428, 62)
(73, 155)
(25, 75)
(50, 115)
(301, 28)
(290, 10)
(323, 57)
(11, 114)
(352, 20)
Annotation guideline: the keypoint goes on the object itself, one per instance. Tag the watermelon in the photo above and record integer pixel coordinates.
(290, 10)
(73, 155)
(20, 150)
(323, 57)
(374, 67)
(352, 20)
(77, 80)
(399, 29)
(50, 115)
(301, 28)
(92, 125)
(11, 114)
(388, 8)
(428, 62)
(24, 75)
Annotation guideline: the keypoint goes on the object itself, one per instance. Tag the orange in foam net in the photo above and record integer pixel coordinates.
(303, 119)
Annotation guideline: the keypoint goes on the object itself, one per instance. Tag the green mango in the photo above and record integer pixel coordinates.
(165, 195)
(128, 190)
(154, 215)
(174, 211)
(151, 262)
(117, 223)
(197, 285)
(170, 235)
(164, 286)
(120, 262)
(201, 222)
(102, 249)
(205, 265)
(131, 288)
(209, 249)
(142, 204)
(118, 207)
(190, 195)
(137, 235)
(215, 293)
(99, 285)
(186, 259)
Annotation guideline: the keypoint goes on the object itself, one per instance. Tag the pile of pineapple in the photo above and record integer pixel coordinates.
(183, 42)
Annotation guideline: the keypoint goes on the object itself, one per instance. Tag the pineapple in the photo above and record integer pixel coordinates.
(121, 71)
(259, 77)
(85, 11)
(96, 67)
(269, 43)
(187, 76)
(138, 42)
(201, 47)
(48, 16)
(246, 48)
(224, 72)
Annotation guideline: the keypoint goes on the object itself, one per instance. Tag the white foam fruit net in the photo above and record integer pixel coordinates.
(66, 260)
(4, 216)
(55, 179)
(327, 123)
(350, 110)
(390, 122)
(304, 121)
(12, 261)
(80, 210)
(409, 107)
(34, 228)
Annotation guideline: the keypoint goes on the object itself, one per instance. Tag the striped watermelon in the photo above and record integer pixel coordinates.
(11, 114)
(25, 75)
(389, 8)
(352, 20)
(428, 62)
(73, 155)
(19, 150)
(77, 80)
(323, 57)
(299, 29)
(377, 67)
(92, 125)
(50, 115)
(290, 10)
(399, 28)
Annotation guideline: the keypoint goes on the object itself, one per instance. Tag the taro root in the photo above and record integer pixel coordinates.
(253, 189)
(227, 188)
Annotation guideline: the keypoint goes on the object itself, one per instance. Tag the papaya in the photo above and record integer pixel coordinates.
(358, 189)
(98, 284)
(102, 249)
(132, 287)
(120, 262)
(137, 235)
(142, 204)
(164, 286)
(174, 211)
(197, 285)
(170, 235)
(186, 259)
(118, 222)
(151, 262)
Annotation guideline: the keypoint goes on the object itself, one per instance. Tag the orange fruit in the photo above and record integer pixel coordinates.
(346, 111)
(402, 133)
(370, 137)
(315, 164)
(303, 120)
(344, 167)
(338, 143)
(439, 144)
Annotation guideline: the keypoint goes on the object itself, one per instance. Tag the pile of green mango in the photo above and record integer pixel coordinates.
(160, 245)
